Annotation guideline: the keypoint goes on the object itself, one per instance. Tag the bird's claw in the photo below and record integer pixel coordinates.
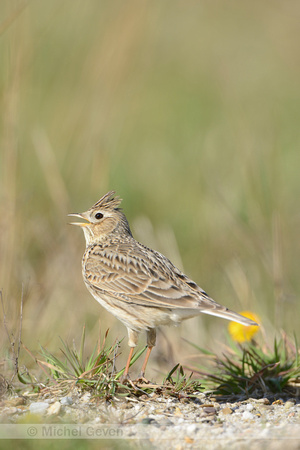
(141, 379)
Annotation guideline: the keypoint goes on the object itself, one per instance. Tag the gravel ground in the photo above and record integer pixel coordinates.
(158, 422)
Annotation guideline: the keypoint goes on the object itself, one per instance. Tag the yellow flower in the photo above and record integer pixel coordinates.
(242, 333)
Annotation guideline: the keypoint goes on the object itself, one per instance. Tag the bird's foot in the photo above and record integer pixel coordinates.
(141, 379)
(125, 379)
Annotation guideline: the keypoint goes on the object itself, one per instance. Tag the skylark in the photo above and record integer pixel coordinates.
(139, 286)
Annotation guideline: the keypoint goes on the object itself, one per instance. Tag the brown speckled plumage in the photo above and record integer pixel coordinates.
(139, 286)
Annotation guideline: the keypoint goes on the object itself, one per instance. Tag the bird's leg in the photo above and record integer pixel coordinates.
(132, 341)
(125, 374)
(142, 374)
(151, 340)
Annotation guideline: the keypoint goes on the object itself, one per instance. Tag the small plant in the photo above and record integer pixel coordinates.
(97, 372)
(181, 385)
(248, 368)
(98, 375)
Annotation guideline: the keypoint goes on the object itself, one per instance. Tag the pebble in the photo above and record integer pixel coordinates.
(191, 428)
(11, 411)
(17, 401)
(288, 404)
(266, 407)
(182, 424)
(188, 440)
(209, 410)
(227, 410)
(66, 401)
(247, 415)
(166, 422)
(38, 407)
(54, 409)
(86, 397)
(264, 401)
(148, 421)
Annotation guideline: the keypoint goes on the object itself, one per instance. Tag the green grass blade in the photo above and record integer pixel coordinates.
(81, 350)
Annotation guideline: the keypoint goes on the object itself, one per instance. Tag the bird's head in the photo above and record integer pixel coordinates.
(102, 219)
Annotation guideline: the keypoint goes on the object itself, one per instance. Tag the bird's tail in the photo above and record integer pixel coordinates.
(225, 313)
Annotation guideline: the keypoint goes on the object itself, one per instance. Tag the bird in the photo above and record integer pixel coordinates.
(139, 286)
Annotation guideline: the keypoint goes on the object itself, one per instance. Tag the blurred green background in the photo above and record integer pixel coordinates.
(191, 112)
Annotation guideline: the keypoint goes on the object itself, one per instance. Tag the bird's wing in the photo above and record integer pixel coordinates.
(136, 274)
(141, 276)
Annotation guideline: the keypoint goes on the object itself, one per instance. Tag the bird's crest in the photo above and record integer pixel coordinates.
(108, 201)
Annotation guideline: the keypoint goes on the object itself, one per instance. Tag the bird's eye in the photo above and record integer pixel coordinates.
(98, 216)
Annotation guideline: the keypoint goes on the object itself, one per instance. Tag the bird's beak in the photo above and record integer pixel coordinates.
(80, 224)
